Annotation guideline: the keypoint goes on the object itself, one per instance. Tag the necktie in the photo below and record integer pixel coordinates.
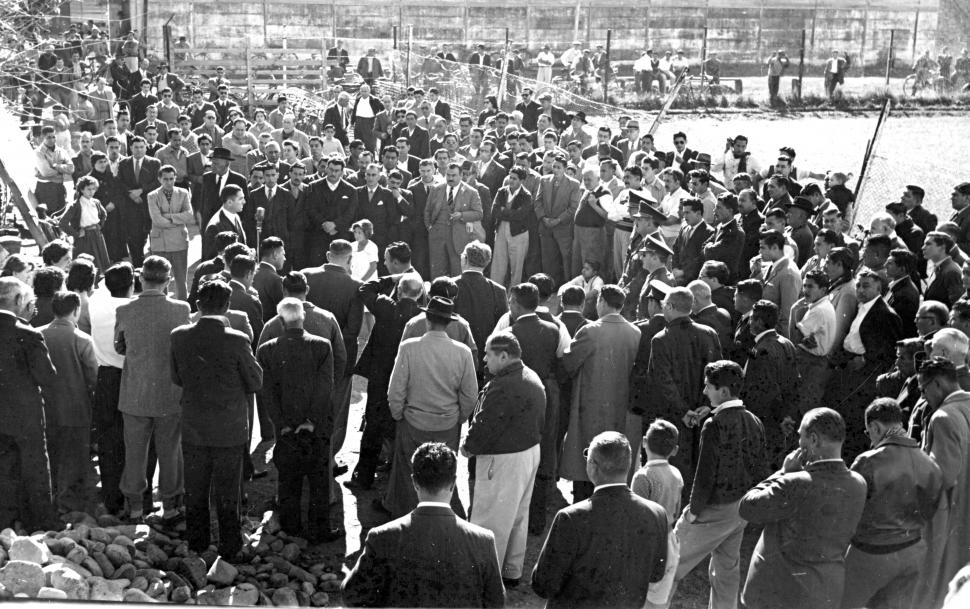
(137, 168)
(451, 200)
(239, 228)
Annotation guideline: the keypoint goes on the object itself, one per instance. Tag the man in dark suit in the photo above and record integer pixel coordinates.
(375, 203)
(480, 301)
(912, 199)
(709, 314)
(244, 298)
(769, 376)
(331, 206)
(25, 369)
(810, 511)
(681, 156)
(267, 281)
(297, 392)
(946, 280)
(223, 105)
(377, 361)
(139, 174)
(688, 248)
(217, 371)
(281, 218)
(338, 115)
(727, 241)
(225, 220)
(439, 106)
(903, 296)
(448, 563)
(332, 288)
(210, 197)
(572, 569)
(337, 54)
(417, 136)
(751, 221)
(369, 67)
(479, 62)
(869, 349)
(560, 120)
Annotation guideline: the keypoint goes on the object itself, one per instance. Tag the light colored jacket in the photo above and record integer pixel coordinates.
(169, 220)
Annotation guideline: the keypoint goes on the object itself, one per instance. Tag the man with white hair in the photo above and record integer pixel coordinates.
(297, 392)
(25, 367)
(289, 132)
(952, 345)
(365, 110)
(706, 313)
(589, 226)
(338, 115)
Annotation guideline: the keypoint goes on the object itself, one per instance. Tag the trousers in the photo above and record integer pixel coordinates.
(25, 479)
(442, 255)
(401, 497)
(299, 456)
(179, 261)
(343, 388)
(510, 252)
(503, 491)
(556, 251)
(589, 243)
(139, 431)
(545, 478)
(213, 472)
(882, 581)
(717, 532)
(71, 471)
(378, 427)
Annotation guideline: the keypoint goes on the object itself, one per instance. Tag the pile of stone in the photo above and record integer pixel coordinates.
(136, 563)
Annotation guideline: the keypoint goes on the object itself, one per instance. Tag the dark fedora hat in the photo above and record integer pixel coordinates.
(441, 307)
(221, 153)
(803, 204)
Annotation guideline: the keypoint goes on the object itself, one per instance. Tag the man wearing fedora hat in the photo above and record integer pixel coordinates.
(576, 131)
(432, 391)
(799, 228)
(210, 199)
(631, 143)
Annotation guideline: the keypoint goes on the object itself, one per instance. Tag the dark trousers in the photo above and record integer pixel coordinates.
(297, 456)
(136, 238)
(71, 471)
(556, 252)
(773, 84)
(378, 427)
(548, 459)
(51, 194)
(109, 435)
(25, 474)
(114, 236)
(213, 472)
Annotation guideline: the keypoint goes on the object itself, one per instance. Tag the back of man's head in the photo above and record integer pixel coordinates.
(612, 296)
(214, 297)
(525, 295)
(410, 286)
(10, 289)
(291, 311)
(573, 296)
(48, 280)
(433, 467)
(701, 292)
(340, 250)
(155, 272)
(225, 239)
(119, 279)
(546, 285)
(662, 437)
(295, 284)
(610, 451)
(65, 304)
(444, 287)
(886, 411)
(242, 266)
(826, 423)
(399, 252)
(477, 255)
(681, 300)
(233, 250)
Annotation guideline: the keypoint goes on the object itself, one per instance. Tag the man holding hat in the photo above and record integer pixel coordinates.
(432, 391)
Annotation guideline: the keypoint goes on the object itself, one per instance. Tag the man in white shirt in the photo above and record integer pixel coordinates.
(813, 332)
(108, 422)
(736, 160)
(670, 204)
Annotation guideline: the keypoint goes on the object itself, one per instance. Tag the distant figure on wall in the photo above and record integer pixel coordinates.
(776, 68)
(369, 67)
(338, 59)
(835, 69)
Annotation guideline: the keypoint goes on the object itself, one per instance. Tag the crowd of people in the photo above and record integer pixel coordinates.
(552, 304)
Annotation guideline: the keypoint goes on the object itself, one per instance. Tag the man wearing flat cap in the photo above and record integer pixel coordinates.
(432, 391)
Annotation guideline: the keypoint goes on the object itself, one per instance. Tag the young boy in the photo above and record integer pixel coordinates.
(662, 483)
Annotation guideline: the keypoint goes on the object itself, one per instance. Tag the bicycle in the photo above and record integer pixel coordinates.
(930, 80)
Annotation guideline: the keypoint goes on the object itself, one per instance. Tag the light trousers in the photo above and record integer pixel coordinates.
(510, 252)
(179, 261)
(503, 490)
(717, 532)
(882, 581)
(621, 241)
(167, 432)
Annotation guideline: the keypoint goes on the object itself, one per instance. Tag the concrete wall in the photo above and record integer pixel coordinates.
(745, 34)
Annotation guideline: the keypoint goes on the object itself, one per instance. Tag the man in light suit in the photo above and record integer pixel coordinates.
(442, 549)
(451, 209)
(783, 281)
(555, 206)
(139, 174)
(810, 509)
(149, 400)
(170, 209)
(571, 571)
(226, 219)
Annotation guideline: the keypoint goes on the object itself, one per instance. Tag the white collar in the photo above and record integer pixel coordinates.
(657, 462)
(865, 306)
(434, 504)
(228, 214)
(602, 486)
(737, 403)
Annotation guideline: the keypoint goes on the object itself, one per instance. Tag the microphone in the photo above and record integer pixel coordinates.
(260, 216)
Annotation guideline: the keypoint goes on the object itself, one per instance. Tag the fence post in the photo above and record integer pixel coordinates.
(801, 65)
(407, 61)
(250, 94)
(283, 57)
(889, 55)
(606, 68)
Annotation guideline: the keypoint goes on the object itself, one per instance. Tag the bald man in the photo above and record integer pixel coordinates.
(708, 314)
